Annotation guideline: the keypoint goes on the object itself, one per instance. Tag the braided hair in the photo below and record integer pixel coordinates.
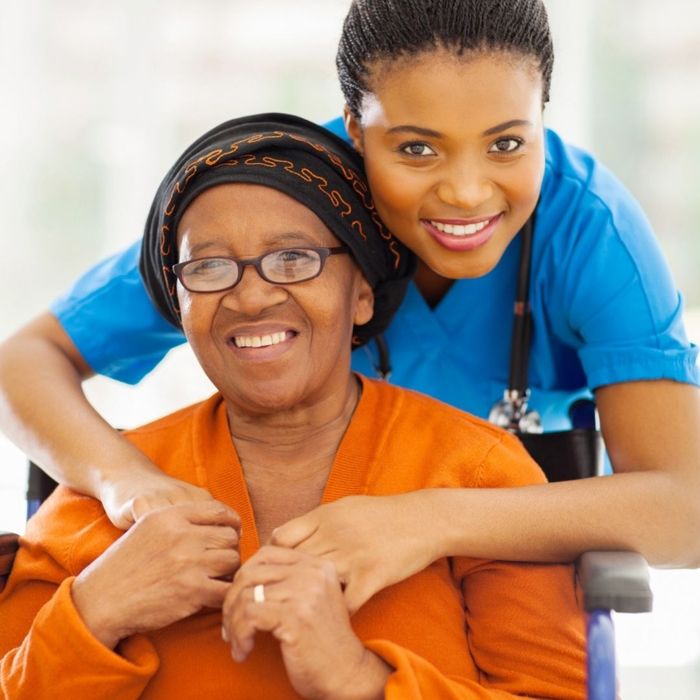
(378, 30)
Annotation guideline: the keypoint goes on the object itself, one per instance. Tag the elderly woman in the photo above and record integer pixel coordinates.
(263, 244)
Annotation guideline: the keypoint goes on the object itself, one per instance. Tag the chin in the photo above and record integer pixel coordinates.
(265, 398)
(466, 268)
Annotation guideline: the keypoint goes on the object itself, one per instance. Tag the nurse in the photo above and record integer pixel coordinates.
(445, 102)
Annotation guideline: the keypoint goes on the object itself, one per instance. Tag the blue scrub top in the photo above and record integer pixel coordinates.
(604, 306)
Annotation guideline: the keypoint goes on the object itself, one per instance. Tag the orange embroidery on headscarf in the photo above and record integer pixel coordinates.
(214, 159)
(165, 240)
(170, 282)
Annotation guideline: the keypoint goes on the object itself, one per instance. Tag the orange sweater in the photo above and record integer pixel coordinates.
(463, 628)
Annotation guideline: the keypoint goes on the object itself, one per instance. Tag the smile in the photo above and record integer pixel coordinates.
(460, 230)
(461, 237)
(259, 341)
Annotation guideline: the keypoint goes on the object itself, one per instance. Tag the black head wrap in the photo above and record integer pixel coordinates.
(300, 159)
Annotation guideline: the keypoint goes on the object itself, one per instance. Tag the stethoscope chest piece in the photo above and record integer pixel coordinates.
(511, 413)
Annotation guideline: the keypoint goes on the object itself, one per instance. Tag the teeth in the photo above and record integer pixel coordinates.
(259, 341)
(455, 230)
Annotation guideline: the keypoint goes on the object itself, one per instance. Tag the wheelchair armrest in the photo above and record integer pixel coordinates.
(615, 581)
(9, 543)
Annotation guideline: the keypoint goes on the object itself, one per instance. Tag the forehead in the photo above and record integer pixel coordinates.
(248, 214)
(442, 83)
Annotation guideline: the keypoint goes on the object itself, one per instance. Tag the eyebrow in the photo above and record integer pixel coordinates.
(506, 125)
(287, 238)
(414, 130)
(422, 131)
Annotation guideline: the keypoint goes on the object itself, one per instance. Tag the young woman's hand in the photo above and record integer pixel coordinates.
(170, 564)
(301, 604)
(125, 500)
(373, 541)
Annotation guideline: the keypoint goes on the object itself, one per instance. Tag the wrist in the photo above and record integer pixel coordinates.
(437, 523)
(368, 679)
(126, 466)
(98, 618)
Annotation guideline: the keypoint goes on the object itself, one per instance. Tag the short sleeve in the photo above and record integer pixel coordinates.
(110, 318)
(617, 302)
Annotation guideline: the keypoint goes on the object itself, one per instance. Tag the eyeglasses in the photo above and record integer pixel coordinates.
(285, 266)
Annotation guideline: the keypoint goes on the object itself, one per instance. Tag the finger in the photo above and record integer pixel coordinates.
(270, 554)
(295, 531)
(214, 593)
(220, 563)
(355, 597)
(247, 577)
(187, 494)
(142, 505)
(210, 513)
(248, 619)
(123, 518)
(219, 536)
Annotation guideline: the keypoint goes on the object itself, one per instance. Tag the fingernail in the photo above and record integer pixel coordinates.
(224, 634)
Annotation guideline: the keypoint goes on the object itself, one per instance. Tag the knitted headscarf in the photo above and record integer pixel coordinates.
(300, 159)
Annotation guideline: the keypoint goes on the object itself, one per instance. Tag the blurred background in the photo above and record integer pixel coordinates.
(98, 99)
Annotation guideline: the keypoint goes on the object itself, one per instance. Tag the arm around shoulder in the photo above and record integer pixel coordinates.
(44, 411)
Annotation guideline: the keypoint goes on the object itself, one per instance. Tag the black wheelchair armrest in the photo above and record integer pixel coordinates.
(9, 543)
(615, 581)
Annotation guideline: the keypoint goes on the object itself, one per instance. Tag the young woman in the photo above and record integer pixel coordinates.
(445, 102)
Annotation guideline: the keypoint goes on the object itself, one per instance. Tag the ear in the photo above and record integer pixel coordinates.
(364, 303)
(352, 126)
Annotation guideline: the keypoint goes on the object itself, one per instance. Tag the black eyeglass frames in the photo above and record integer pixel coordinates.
(284, 266)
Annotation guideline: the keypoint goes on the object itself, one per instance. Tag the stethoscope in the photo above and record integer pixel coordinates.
(510, 412)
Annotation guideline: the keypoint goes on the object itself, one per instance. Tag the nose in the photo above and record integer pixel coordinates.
(253, 295)
(464, 185)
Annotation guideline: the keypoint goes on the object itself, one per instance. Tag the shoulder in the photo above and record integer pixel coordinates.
(445, 446)
(580, 194)
(64, 528)
(169, 441)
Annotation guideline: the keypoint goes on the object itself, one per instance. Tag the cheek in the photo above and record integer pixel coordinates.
(184, 299)
(527, 185)
(197, 314)
(526, 180)
(394, 193)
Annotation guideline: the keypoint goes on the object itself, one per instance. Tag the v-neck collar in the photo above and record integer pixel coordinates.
(219, 469)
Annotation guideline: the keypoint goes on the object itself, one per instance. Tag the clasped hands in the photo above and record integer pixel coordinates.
(181, 558)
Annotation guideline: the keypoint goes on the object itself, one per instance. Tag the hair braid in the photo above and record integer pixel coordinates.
(390, 29)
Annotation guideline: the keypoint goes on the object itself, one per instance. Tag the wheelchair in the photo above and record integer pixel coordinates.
(611, 581)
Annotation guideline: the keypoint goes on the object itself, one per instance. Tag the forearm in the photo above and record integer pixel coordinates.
(60, 658)
(655, 513)
(44, 412)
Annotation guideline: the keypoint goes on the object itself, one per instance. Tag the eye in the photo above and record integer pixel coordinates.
(417, 148)
(292, 255)
(291, 265)
(207, 265)
(507, 145)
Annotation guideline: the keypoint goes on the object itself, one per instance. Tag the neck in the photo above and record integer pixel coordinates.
(293, 446)
(432, 286)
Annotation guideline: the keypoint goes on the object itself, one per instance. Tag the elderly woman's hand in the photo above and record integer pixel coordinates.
(373, 541)
(165, 568)
(303, 608)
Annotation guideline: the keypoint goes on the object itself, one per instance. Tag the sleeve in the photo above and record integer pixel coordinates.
(525, 628)
(620, 306)
(45, 649)
(110, 318)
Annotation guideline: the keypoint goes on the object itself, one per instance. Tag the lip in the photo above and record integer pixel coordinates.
(463, 243)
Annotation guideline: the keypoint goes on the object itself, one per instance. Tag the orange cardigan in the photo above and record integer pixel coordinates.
(462, 628)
